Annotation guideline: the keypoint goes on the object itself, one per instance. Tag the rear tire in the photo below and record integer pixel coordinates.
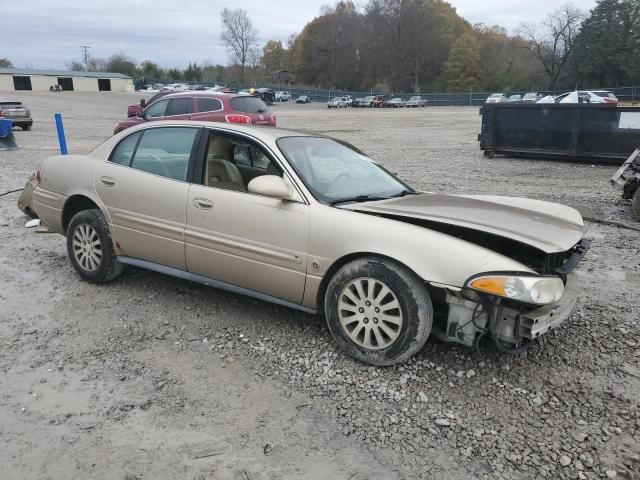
(90, 247)
(26, 128)
(378, 311)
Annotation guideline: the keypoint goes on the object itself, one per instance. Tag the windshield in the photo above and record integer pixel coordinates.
(495, 95)
(336, 99)
(335, 173)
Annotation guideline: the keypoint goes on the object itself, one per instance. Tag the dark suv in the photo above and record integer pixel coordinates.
(208, 106)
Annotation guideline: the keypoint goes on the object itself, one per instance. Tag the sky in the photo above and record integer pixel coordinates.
(44, 34)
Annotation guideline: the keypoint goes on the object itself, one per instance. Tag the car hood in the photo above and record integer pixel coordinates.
(547, 226)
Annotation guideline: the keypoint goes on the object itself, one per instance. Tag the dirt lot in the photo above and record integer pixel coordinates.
(151, 377)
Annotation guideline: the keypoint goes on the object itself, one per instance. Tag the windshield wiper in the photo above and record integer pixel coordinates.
(358, 198)
(403, 193)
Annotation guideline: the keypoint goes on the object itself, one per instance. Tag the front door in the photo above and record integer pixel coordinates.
(240, 238)
(144, 187)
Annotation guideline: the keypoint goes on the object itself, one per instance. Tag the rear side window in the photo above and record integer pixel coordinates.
(123, 153)
(165, 152)
(179, 106)
(209, 104)
(248, 105)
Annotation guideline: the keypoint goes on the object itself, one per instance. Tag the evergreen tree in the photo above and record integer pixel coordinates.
(607, 51)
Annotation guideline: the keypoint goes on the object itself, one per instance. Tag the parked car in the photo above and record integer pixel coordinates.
(587, 96)
(283, 96)
(267, 95)
(303, 99)
(349, 100)
(136, 109)
(497, 98)
(285, 217)
(531, 97)
(363, 102)
(338, 102)
(17, 112)
(416, 101)
(514, 98)
(176, 87)
(209, 106)
(396, 102)
(379, 100)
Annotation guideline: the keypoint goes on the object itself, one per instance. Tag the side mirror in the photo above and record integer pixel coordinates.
(143, 103)
(270, 186)
(140, 114)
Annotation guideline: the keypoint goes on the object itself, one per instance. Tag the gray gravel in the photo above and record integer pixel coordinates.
(154, 377)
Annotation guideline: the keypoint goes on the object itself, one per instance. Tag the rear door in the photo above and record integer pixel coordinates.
(144, 187)
(209, 109)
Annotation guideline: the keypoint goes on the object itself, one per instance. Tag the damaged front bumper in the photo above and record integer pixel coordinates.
(470, 316)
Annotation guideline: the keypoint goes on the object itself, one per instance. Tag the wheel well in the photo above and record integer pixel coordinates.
(339, 263)
(75, 204)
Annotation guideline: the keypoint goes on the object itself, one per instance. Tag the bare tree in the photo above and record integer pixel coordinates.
(553, 42)
(239, 36)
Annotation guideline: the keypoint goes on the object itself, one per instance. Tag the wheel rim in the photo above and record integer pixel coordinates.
(87, 248)
(370, 313)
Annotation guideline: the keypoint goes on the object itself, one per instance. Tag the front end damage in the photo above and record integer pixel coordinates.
(466, 316)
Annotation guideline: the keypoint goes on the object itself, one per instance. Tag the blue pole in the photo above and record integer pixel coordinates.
(61, 139)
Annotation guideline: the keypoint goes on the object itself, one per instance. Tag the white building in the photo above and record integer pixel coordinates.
(23, 79)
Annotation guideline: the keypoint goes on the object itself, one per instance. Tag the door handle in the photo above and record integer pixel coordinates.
(108, 181)
(202, 203)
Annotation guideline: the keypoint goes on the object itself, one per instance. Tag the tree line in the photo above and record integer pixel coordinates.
(419, 45)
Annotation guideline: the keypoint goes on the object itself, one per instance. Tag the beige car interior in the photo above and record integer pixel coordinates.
(221, 172)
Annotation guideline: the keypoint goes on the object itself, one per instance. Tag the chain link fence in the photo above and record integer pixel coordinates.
(438, 99)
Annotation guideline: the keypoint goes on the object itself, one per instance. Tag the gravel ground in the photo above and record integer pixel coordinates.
(152, 377)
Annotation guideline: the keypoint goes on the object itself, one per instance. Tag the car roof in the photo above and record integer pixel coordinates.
(199, 93)
(264, 133)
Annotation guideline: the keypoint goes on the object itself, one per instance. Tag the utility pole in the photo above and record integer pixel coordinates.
(85, 50)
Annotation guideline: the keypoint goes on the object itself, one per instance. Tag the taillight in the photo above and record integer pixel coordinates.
(272, 120)
(38, 176)
(238, 119)
(1, 113)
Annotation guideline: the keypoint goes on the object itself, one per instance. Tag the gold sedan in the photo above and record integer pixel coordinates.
(311, 223)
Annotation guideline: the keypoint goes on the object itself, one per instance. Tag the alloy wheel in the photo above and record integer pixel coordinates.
(369, 313)
(87, 248)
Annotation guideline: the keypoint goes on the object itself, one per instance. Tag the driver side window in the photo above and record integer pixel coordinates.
(156, 109)
(232, 162)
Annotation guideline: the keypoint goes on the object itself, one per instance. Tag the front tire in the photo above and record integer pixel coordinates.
(90, 247)
(378, 311)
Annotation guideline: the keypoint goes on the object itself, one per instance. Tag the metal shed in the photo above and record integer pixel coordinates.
(12, 79)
